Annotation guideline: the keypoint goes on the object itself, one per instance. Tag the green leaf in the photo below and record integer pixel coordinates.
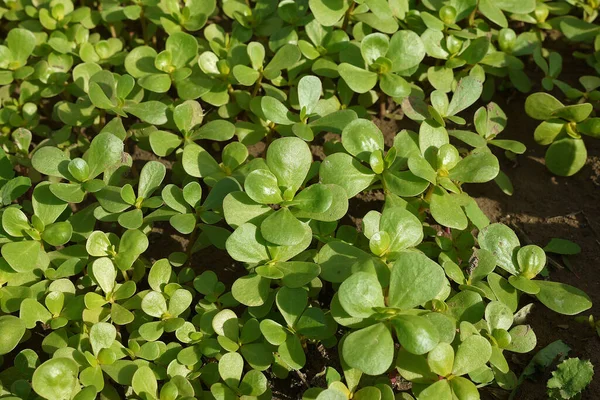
(49, 161)
(498, 315)
(291, 303)
(316, 199)
(289, 159)
(275, 111)
(133, 244)
(517, 6)
(467, 92)
(273, 332)
(394, 85)
(510, 145)
(104, 272)
(405, 230)
(473, 353)
(563, 299)
(562, 246)
(159, 274)
(374, 46)
(463, 388)
(12, 329)
(154, 304)
(297, 273)
(282, 228)
(370, 349)
(164, 143)
(491, 11)
(415, 333)
(406, 50)
(292, 353)
(179, 302)
(309, 92)
(15, 222)
(183, 48)
(197, 162)
(421, 168)
(219, 130)
(188, 115)
(46, 205)
(441, 359)
(358, 79)
(102, 336)
(21, 256)
(571, 377)
(344, 170)
(286, 57)
(140, 62)
(151, 177)
(251, 290)
(574, 113)
(415, 279)
(503, 243)
(566, 157)
(476, 168)
(56, 379)
(328, 12)
(446, 209)
(144, 382)
(245, 75)
(523, 339)
(157, 83)
(247, 245)
(590, 127)
(152, 112)
(541, 106)
(360, 293)
(361, 137)
(21, 43)
(261, 186)
(105, 151)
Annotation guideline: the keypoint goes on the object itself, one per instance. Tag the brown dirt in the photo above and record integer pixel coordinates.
(543, 207)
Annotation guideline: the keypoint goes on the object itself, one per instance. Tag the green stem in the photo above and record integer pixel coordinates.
(473, 13)
(190, 245)
(144, 27)
(257, 85)
(347, 16)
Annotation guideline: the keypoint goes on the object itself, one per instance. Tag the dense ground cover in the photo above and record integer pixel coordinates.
(324, 199)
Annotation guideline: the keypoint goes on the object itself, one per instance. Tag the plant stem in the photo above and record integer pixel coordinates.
(190, 245)
(347, 16)
(144, 27)
(257, 85)
(473, 13)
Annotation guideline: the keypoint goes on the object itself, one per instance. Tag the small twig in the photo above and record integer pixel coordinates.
(382, 106)
(570, 215)
(302, 378)
(591, 227)
(347, 16)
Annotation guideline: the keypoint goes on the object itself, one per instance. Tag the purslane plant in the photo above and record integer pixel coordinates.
(244, 130)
